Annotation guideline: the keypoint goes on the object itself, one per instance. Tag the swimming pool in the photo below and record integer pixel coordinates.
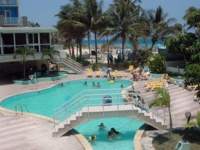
(126, 126)
(45, 101)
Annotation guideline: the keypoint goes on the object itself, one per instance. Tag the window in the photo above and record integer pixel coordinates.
(36, 48)
(20, 38)
(33, 38)
(45, 47)
(7, 39)
(9, 50)
(44, 38)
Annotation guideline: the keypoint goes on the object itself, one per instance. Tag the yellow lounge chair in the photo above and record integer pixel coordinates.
(192, 87)
(98, 74)
(151, 87)
(154, 82)
(131, 67)
(118, 74)
(112, 74)
(136, 70)
(90, 73)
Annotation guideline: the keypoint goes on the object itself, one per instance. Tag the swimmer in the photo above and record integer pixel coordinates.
(110, 135)
(114, 132)
(93, 83)
(85, 83)
(61, 84)
(122, 86)
(92, 138)
(98, 85)
(101, 126)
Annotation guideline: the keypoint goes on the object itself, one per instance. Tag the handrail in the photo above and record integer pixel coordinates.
(19, 107)
(82, 93)
(72, 64)
(129, 103)
(25, 107)
(85, 98)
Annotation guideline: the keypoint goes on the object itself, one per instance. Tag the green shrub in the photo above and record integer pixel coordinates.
(82, 61)
(157, 64)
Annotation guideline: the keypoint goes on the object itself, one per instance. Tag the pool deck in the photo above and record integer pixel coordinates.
(32, 133)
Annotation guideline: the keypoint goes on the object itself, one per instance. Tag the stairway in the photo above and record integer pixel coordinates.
(70, 64)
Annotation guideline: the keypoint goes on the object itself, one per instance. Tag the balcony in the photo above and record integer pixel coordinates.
(7, 21)
(8, 2)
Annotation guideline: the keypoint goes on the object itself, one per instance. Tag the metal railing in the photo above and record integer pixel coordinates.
(8, 2)
(85, 99)
(21, 108)
(70, 63)
(11, 20)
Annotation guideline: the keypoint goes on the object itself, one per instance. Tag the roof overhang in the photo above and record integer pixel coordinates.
(27, 29)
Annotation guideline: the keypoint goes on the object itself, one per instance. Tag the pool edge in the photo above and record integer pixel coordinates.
(138, 136)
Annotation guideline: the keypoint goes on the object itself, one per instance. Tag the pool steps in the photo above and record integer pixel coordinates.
(97, 112)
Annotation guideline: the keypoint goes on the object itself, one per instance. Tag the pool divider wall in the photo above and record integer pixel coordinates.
(84, 142)
(138, 136)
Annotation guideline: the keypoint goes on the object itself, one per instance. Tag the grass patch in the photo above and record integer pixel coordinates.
(161, 142)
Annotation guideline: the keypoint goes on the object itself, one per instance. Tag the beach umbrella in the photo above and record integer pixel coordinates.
(107, 99)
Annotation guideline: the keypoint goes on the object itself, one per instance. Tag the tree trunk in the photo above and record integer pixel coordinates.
(24, 69)
(170, 124)
(80, 48)
(95, 38)
(184, 58)
(89, 42)
(70, 49)
(123, 42)
(77, 49)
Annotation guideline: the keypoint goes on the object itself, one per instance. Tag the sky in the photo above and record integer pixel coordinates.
(44, 11)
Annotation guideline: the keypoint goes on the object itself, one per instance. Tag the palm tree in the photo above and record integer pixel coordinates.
(195, 123)
(124, 23)
(160, 26)
(50, 52)
(162, 98)
(23, 52)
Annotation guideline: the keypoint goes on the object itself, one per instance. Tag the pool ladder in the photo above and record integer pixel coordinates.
(20, 108)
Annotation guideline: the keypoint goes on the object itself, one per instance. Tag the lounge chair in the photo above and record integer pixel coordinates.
(143, 76)
(151, 87)
(98, 73)
(192, 87)
(90, 73)
(131, 67)
(118, 74)
(154, 82)
(137, 69)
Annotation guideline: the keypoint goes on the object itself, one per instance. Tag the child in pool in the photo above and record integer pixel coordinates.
(102, 126)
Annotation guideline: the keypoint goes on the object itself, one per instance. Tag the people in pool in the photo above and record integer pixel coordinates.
(92, 138)
(98, 85)
(85, 83)
(93, 83)
(114, 132)
(122, 86)
(101, 126)
(61, 84)
(110, 135)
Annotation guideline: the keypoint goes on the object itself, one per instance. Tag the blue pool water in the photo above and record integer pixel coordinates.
(45, 101)
(127, 127)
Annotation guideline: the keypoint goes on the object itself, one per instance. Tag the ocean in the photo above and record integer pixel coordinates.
(128, 44)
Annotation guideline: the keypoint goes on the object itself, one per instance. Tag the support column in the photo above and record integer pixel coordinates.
(39, 42)
(1, 44)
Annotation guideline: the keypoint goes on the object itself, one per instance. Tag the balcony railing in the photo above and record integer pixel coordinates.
(8, 2)
(11, 20)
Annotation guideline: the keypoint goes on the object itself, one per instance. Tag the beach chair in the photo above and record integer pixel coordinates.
(90, 73)
(131, 67)
(98, 74)
(118, 74)
(151, 87)
(137, 69)
(192, 87)
(154, 82)
(143, 76)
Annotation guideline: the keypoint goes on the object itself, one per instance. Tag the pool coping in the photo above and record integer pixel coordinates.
(138, 136)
